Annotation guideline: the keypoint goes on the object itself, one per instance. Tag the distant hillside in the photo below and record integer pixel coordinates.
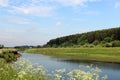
(110, 37)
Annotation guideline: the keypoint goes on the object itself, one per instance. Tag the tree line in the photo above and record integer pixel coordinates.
(105, 37)
(1, 46)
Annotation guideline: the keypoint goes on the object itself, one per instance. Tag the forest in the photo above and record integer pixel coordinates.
(101, 38)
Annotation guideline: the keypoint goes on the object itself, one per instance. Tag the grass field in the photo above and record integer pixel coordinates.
(87, 54)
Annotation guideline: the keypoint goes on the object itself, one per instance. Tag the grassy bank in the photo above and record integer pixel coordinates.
(9, 54)
(10, 71)
(87, 54)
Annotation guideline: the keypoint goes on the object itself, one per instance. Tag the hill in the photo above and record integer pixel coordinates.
(105, 37)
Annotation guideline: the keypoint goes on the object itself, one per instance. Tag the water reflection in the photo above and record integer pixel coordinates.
(111, 69)
(103, 65)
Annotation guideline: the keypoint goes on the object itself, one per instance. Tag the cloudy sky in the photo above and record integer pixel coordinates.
(33, 22)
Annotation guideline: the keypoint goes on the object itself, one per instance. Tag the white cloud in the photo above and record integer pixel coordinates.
(58, 24)
(41, 8)
(4, 3)
(91, 12)
(41, 11)
(5, 37)
(15, 31)
(73, 2)
(17, 20)
(29, 7)
(117, 5)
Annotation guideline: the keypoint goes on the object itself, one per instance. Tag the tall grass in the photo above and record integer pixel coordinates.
(24, 70)
(19, 71)
(91, 54)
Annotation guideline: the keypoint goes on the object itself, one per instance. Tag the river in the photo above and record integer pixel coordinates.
(112, 70)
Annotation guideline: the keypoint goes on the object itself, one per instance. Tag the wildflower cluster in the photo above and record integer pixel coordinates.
(24, 70)
(91, 74)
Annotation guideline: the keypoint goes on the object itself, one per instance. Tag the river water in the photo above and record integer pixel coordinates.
(112, 70)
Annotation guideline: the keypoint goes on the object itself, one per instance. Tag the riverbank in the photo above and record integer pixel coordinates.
(85, 54)
(24, 70)
(9, 54)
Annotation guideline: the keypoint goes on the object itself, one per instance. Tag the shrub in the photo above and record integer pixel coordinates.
(116, 43)
(10, 55)
(103, 42)
(86, 45)
(96, 42)
(91, 46)
(108, 45)
(108, 39)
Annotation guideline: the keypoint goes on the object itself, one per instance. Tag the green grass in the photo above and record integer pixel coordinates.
(9, 54)
(8, 72)
(6, 50)
(87, 54)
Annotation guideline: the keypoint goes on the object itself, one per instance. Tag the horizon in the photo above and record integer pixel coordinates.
(35, 22)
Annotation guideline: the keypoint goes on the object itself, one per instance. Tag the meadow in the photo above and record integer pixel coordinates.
(86, 54)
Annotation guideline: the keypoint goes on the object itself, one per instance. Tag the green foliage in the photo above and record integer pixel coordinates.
(86, 45)
(1, 46)
(96, 42)
(108, 39)
(18, 71)
(108, 45)
(103, 36)
(91, 46)
(9, 55)
(103, 42)
(82, 38)
(83, 42)
(116, 43)
(97, 54)
(66, 44)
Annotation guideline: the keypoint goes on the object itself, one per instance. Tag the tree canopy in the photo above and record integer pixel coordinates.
(95, 37)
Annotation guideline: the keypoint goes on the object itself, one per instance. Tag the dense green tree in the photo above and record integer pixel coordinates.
(108, 39)
(103, 36)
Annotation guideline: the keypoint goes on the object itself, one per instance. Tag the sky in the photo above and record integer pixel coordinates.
(35, 22)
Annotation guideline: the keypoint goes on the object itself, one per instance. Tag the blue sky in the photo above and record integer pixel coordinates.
(35, 22)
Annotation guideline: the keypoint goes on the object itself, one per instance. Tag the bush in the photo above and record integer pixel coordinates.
(10, 55)
(96, 42)
(116, 43)
(108, 39)
(91, 46)
(103, 42)
(108, 45)
(86, 45)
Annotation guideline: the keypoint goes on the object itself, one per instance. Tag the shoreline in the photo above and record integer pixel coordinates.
(109, 55)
